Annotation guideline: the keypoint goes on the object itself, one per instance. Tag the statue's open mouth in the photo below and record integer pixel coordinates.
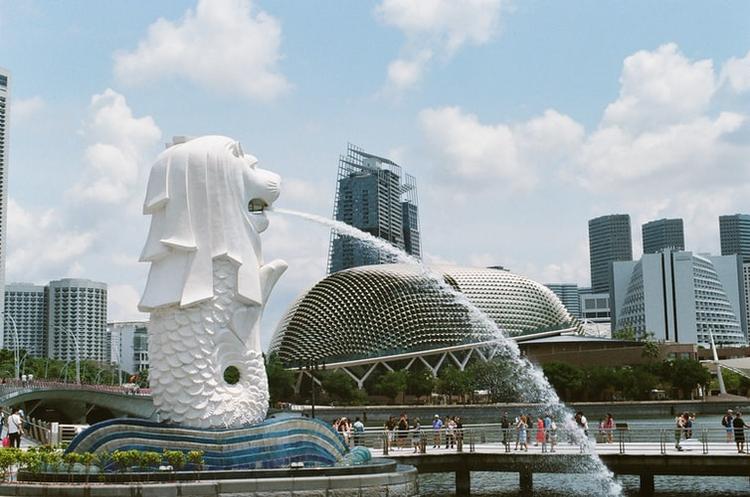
(257, 205)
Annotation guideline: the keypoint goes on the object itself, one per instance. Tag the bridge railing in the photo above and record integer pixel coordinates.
(19, 386)
(487, 437)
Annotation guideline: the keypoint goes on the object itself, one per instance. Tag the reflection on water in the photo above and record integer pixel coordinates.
(556, 485)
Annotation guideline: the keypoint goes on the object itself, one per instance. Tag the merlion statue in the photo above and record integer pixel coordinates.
(207, 284)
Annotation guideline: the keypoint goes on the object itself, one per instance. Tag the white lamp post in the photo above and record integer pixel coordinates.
(78, 354)
(15, 336)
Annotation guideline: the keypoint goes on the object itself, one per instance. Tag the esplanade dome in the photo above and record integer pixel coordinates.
(378, 310)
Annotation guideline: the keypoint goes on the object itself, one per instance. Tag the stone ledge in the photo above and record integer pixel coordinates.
(401, 483)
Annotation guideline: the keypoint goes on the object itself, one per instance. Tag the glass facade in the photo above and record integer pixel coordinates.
(734, 231)
(663, 234)
(375, 196)
(609, 241)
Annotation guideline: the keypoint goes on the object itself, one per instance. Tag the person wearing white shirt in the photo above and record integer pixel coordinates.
(15, 428)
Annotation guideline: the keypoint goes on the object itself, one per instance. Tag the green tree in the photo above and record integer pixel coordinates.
(498, 377)
(280, 380)
(339, 385)
(687, 374)
(419, 383)
(391, 384)
(452, 381)
(566, 379)
(627, 333)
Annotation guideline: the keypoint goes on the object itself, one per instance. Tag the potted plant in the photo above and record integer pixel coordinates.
(195, 457)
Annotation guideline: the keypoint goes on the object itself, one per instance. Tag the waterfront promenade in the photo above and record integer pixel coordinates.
(646, 452)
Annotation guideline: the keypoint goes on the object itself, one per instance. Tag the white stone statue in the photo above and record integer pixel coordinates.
(207, 284)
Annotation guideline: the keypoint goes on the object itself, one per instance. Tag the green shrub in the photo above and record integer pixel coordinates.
(175, 458)
(9, 456)
(195, 457)
(150, 459)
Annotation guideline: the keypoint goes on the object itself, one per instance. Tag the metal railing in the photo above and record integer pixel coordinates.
(18, 386)
(633, 439)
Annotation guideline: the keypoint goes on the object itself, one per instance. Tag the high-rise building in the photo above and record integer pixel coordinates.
(129, 341)
(734, 231)
(569, 296)
(594, 306)
(609, 241)
(77, 320)
(26, 314)
(4, 125)
(375, 196)
(663, 234)
(681, 297)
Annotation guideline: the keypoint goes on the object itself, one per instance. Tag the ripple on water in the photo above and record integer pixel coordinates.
(575, 485)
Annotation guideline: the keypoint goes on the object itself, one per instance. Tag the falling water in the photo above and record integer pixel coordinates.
(535, 386)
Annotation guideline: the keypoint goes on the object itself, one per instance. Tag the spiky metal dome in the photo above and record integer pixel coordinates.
(371, 311)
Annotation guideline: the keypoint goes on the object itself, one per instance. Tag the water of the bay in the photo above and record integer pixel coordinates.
(557, 485)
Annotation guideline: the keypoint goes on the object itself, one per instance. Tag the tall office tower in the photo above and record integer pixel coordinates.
(77, 320)
(734, 231)
(26, 314)
(663, 234)
(609, 241)
(4, 125)
(569, 296)
(681, 297)
(373, 194)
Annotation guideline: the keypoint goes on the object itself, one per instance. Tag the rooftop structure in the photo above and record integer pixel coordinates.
(393, 309)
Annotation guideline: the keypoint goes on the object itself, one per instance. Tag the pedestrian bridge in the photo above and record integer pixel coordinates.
(645, 451)
(79, 399)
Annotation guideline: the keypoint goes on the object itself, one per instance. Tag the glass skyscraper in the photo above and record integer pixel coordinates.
(734, 231)
(663, 234)
(4, 124)
(609, 241)
(375, 196)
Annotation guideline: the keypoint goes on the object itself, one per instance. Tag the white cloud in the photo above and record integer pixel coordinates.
(435, 27)
(41, 243)
(123, 303)
(121, 145)
(467, 150)
(222, 45)
(23, 109)
(660, 87)
(736, 72)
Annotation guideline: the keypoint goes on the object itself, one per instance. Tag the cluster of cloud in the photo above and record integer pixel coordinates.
(435, 28)
(99, 213)
(674, 141)
(224, 45)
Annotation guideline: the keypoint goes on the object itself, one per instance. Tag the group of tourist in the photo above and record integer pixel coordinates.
(735, 429)
(351, 432)
(683, 428)
(521, 430)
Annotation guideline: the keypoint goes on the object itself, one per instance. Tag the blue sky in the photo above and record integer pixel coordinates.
(520, 120)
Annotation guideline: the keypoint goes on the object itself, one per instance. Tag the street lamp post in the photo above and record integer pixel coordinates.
(78, 354)
(15, 336)
(311, 367)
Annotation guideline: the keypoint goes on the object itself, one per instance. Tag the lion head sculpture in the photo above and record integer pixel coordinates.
(206, 199)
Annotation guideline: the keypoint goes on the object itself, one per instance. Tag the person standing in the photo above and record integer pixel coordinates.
(403, 430)
(540, 434)
(679, 428)
(15, 428)
(416, 436)
(359, 430)
(609, 427)
(739, 426)
(522, 428)
(450, 433)
(726, 422)
(437, 427)
(505, 427)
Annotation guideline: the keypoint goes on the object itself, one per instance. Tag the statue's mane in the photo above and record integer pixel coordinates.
(197, 202)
